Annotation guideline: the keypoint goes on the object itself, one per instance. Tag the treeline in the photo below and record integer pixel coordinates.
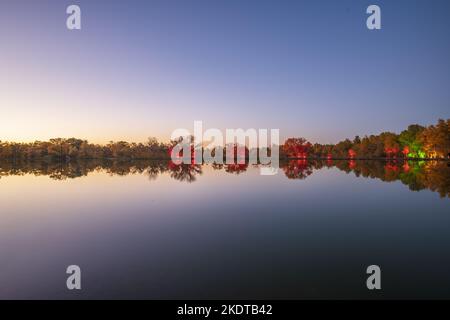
(416, 142)
(68, 149)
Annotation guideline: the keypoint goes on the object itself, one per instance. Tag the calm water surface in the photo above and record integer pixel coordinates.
(160, 231)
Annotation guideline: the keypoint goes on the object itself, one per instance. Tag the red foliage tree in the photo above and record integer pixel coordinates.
(351, 153)
(296, 148)
(405, 151)
(391, 152)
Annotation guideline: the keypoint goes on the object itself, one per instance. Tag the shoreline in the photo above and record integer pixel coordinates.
(68, 160)
(372, 159)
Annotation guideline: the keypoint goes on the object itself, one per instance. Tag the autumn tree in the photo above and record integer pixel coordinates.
(296, 147)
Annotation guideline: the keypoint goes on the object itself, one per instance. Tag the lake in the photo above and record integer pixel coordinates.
(159, 231)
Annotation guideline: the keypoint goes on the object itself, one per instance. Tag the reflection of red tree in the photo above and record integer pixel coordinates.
(352, 164)
(299, 169)
(406, 167)
(391, 167)
(329, 160)
(172, 166)
(392, 172)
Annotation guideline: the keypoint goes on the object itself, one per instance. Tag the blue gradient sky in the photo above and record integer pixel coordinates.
(145, 68)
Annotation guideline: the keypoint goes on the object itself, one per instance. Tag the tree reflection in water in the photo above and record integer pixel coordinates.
(417, 175)
(184, 172)
(298, 169)
(236, 168)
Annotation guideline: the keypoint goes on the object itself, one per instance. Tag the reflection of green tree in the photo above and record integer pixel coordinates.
(413, 177)
(417, 175)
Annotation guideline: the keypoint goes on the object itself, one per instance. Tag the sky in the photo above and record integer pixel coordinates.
(145, 68)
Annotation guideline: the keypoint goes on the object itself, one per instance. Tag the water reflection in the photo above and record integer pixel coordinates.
(300, 169)
(184, 172)
(417, 175)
